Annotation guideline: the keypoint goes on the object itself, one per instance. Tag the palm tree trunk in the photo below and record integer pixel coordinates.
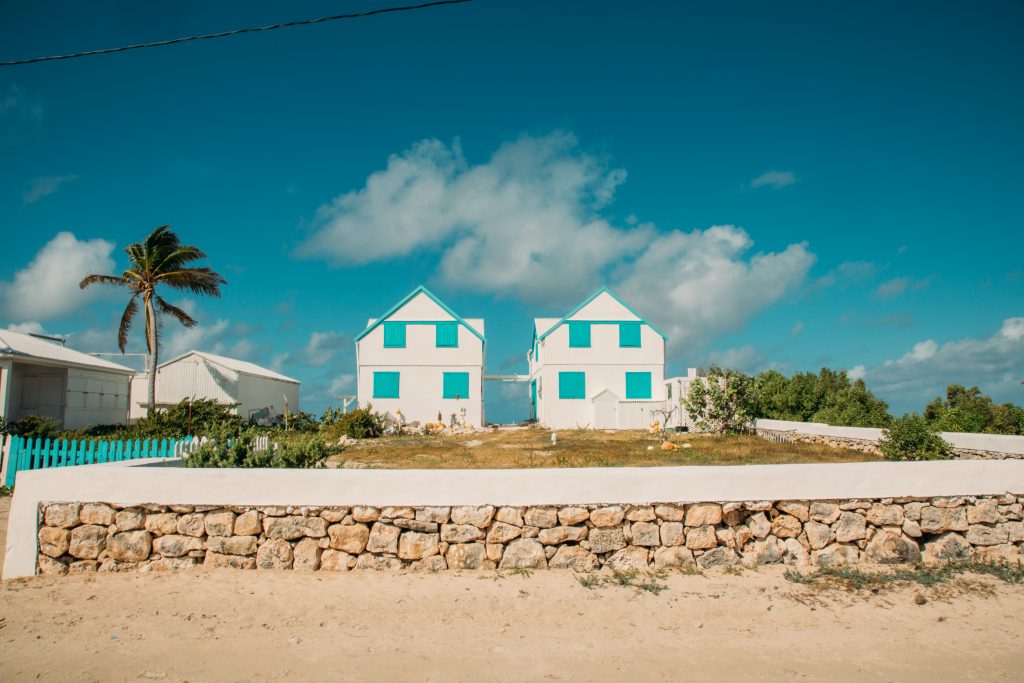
(153, 356)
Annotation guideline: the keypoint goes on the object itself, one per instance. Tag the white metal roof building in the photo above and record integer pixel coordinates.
(39, 376)
(249, 387)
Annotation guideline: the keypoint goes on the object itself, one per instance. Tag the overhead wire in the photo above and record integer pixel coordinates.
(237, 31)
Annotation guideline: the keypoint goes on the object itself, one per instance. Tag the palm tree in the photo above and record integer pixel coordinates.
(160, 259)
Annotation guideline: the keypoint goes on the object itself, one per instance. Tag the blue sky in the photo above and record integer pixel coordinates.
(788, 186)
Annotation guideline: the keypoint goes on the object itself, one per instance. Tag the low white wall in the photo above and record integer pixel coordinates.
(997, 443)
(127, 484)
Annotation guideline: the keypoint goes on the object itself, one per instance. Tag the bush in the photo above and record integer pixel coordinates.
(229, 448)
(35, 427)
(721, 401)
(361, 423)
(912, 438)
(199, 416)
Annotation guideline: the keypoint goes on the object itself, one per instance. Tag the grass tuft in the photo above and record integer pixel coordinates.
(921, 574)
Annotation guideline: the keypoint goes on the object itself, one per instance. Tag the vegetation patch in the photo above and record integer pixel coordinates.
(852, 578)
(647, 582)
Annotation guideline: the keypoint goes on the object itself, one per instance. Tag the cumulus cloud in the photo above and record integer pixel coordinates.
(527, 223)
(48, 287)
(47, 185)
(30, 327)
(994, 363)
(900, 285)
(856, 372)
(774, 179)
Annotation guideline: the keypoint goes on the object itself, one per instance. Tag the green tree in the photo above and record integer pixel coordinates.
(722, 400)
(911, 437)
(828, 396)
(161, 259)
(968, 410)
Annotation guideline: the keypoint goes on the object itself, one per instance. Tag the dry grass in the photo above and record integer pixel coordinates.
(531, 447)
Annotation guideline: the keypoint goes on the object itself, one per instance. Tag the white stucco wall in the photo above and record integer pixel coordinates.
(421, 365)
(95, 398)
(139, 482)
(605, 365)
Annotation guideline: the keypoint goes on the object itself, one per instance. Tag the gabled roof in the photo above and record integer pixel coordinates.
(409, 297)
(602, 290)
(19, 346)
(244, 367)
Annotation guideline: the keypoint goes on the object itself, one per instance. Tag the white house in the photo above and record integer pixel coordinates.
(422, 359)
(251, 389)
(40, 376)
(601, 366)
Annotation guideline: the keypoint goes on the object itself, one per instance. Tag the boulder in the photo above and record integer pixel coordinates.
(501, 532)
(948, 546)
(542, 518)
(523, 553)
(413, 545)
(478, 516)
(383, 538)
(275, 553)
(703, 514)
(130, 519)
(63, 515)
(232, 545)
(176, 545)
(307, 554)
(460, 533)
(88, 541)
(466, 556)
(130, 546)
(672, 534)
(574, 514)
(573, 557)
(701, 537)
(719, 557)
(851, 526)
(606, 540)
(97, 513)
(248, 524)
(220, 523)
(54, 541)
(646, 533)
(562, 534)
(351, 538)
(674, 557)
(607, 517)
(889, 548)
(630, 557)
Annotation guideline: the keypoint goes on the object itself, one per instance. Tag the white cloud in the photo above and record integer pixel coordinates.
(892, 288)
(745, 358)
(856, 372)
(213, 338)
(774, 179)
(47, 185)
(341, 385)
(994, 363)
(527, 224)
(322, 347)
(797, 329)
(30, 327)
(48, 287)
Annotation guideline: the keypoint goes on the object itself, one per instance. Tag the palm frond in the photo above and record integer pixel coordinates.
(126, 322)
(195, 280)
(102, 279)
(178, 314)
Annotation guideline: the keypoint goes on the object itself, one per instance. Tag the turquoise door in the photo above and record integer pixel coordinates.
(533, 399)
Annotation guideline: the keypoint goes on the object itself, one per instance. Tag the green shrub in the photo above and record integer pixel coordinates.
(912, 438)
(189, 417)
(231, 448)
(35, 427)
(361, 423)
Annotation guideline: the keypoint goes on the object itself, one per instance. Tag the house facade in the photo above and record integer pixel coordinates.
(40, 376)
(420, 360)
(600, 366)
(251, 390)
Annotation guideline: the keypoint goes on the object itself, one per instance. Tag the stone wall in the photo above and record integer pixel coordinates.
(85, 537)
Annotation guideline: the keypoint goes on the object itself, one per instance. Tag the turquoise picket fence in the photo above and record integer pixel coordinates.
(36, 454)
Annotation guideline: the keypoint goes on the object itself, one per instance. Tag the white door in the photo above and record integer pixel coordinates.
(605, 414)
(43, 394)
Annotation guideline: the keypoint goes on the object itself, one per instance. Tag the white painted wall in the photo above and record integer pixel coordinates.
(139, 482)
(421, 366)
(75, 397)
(95, 398)
(605, 365)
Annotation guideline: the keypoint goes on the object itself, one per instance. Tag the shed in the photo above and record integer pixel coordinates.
(40, 376)
(248, 387)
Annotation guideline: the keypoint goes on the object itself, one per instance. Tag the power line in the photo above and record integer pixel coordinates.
(225, 34)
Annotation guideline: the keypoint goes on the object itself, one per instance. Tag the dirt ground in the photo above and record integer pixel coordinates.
(262, 626)
(532, 447)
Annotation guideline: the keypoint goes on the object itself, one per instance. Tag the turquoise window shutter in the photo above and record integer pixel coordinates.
(629, 335)
(456, 385)
(446, 335)
(572, 385)
(394, 335)
(579, 334)
(638, 385)
(385, 384)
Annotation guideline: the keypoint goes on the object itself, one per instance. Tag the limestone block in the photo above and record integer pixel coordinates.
(523, 553)
(383, 538)
(275, 553)
(351, 538)
(54, 541)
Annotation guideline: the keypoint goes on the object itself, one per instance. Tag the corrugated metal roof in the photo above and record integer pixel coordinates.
(242, 366)
(25, 347)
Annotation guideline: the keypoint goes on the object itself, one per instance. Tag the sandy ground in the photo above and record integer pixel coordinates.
(261, 626)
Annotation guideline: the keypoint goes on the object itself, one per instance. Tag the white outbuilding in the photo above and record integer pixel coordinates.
(422, 360)
(602, 366)
(40, 376)
(250, 389)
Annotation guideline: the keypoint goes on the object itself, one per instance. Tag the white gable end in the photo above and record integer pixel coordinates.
(604, 307)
